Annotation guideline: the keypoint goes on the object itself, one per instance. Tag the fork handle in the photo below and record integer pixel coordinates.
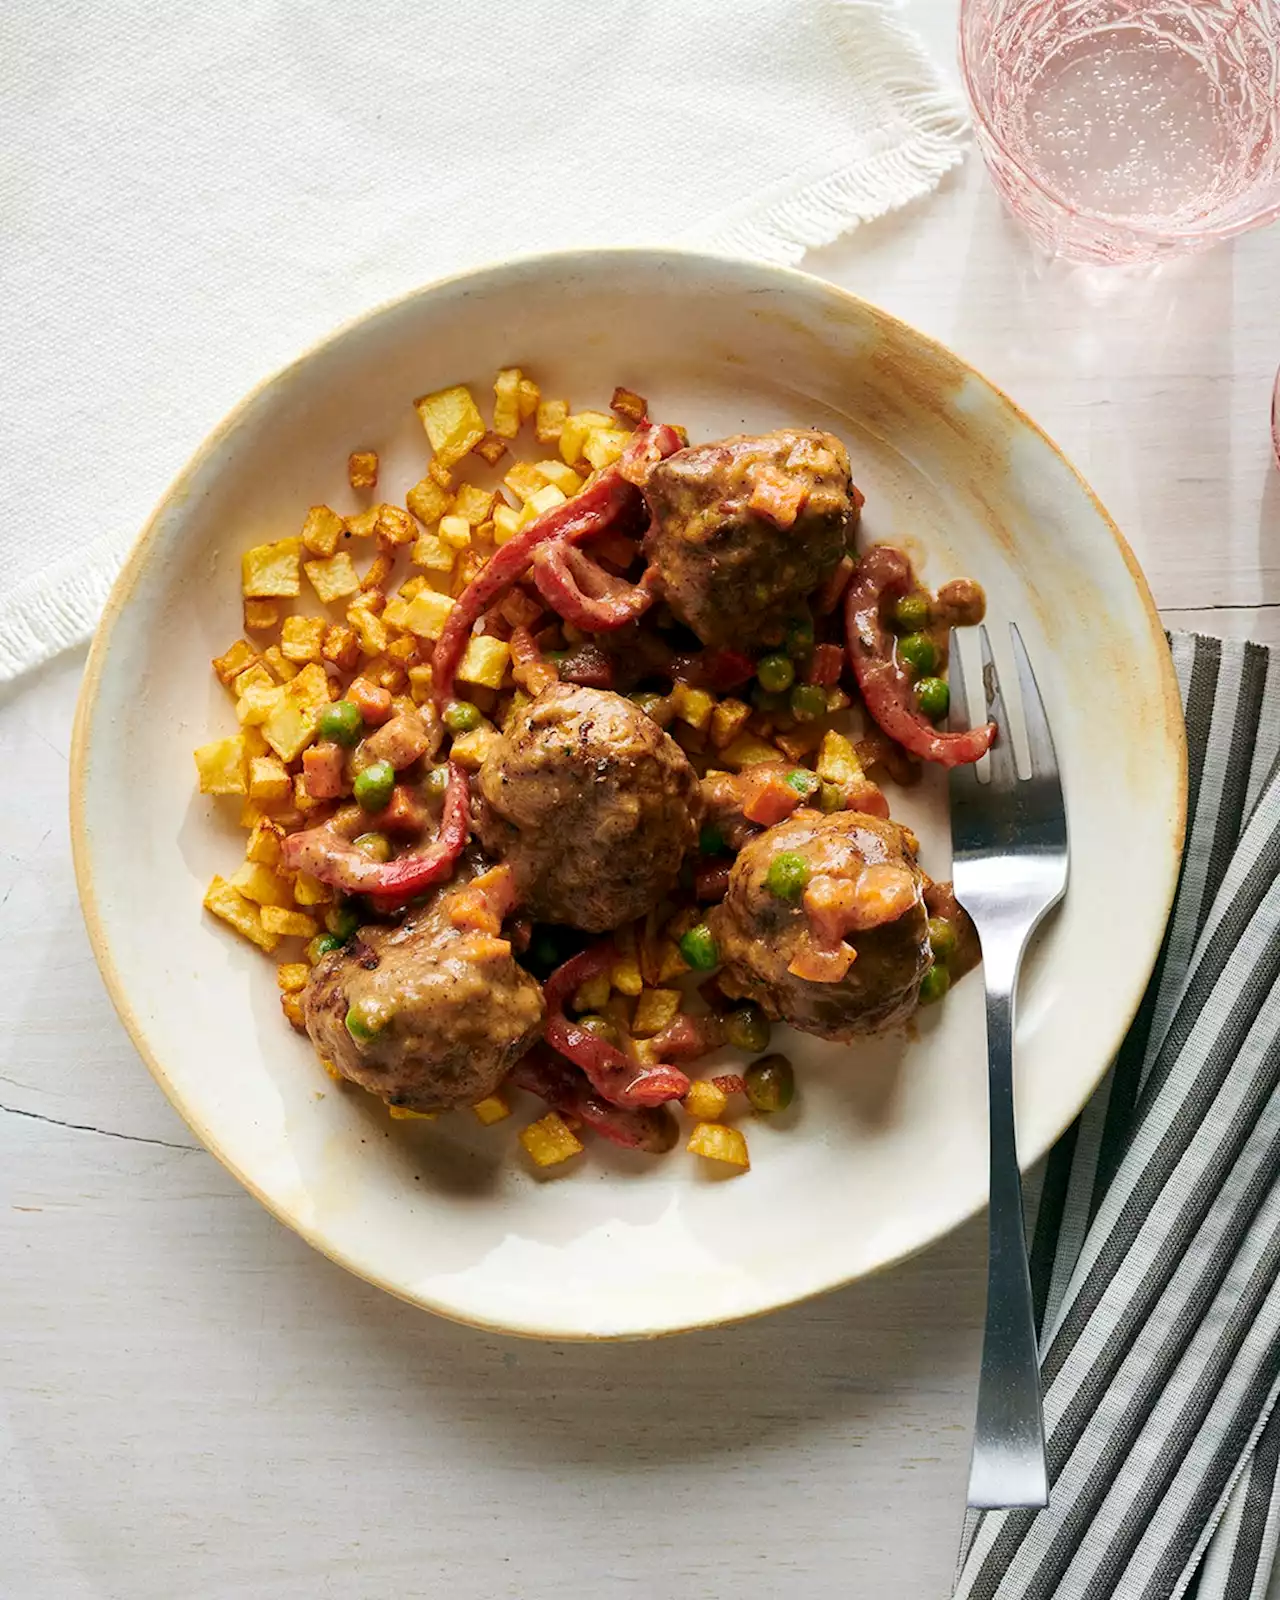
(1008, 1466)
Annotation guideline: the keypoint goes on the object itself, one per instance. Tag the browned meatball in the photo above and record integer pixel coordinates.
(863, 878)
(451, 1011)
(591, 804)
(746, 528)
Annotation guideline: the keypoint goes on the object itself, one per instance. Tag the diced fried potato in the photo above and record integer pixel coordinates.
(550, 419)
(378, 573)
(290, 729)
(493, 1108)
(506, 523)
(341, 648)
(395, 526)
(543, 500)
(362, 469)
(420, 681)
(301, 638)
(491, 448)
(311, 687)
(694, 706)
(452, 421)
(593, 994)
(395, 612)
(440, 474)
(271, 571)
(433, 553)
(221, 766)
(402, 650)
(322, 530)
(332, 577)
(524, 480)
(838, 760)
(426, 616)
(603, 446)
(654, 1010)
(629, 405)
(550, 1140)
(233, 662)
(472, 748)
(506, 402)
(281, 669)
(254, 743)
(727, 721)
(574, 431)
(528, 396)
(292, 976)
(264, 843)
(370, 629)
(484, 661)
(257, 703)
(261, 615)
(260, 884)
(473, 504)
(289, 924)
(267, 779)
(705, 1100)
(428, 501)
(625, 974)
(718, 1143)
(256, 674)
(455, 532)
(386, 672)
(309, 891)
(295, 1016)
(407, 1114)
(561, 474)
(745, 750)
(226, 902)
(364, 524)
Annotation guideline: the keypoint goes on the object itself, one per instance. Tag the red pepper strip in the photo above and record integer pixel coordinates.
(826, 665)
(582, 592)
(720, 670)
(564, 1088)
(883, 574)
(622, 1081)
(329, 854)
(588, 513)
(588, 664)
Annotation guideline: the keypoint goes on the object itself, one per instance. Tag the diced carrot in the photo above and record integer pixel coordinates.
(768, 798)
(822, 964)
(322, 770)
(374, 703)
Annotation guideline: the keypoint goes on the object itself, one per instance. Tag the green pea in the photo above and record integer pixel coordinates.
(771, 1083)
(460, 716)
(911, 613)
(808, 702)
(601, 1027)
(942, 938)
(698, 947)
(771, 704)
(934, 698)
(366, 1019)
(802, 781)
(375, 845)
(373, 786)
(342, 921)
(919, 652)
(437, 781)
(800, 636)
(341, 721)
(788, 876)
(711, 841)
(830, 798)
(320, 946)
(747, 1028)
(776, 673)
(936, 983)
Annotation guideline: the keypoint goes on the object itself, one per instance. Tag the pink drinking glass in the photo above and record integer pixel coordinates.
(1125, 131)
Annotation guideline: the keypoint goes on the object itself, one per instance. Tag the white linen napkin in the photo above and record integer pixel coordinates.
(192, 194)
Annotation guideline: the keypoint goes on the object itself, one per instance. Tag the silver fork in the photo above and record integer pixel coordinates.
(1009, 844)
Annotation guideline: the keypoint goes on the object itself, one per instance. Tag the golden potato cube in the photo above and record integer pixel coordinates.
(490, 449)
(693, 706)
(455, 532)
(289, 924)
(543, 500)
(475, 505)
(603, 446)
(433, 553)
(264, 843)
(493, 1108)
(230, 905)
(256, 674)
(629, 405)
(364, 524)
(718, 1143)
(549, 420)
(362, 469)
(261, 885)
(290, 729)
(267, 779)
(261, 615)
(271, 571)
(254, 744)
(471, 750)
(427, 614)
(654, 1010)
(378, 574)
(727, 721)
(745, 750)
(484, 661)
(309, 891)
(395, 612)
(301, 638)
(671, 964)
(506, 402)
(506, 523)
(322, 530)
(594, 994)
(420, 681)
(428, 501)
(528, 395)
(221, 766)
(440, 474)
(838, 760)
(370, 629)
(705, 1100)
(292, 976)
(333, 577)
(406, 1114)
(233, 662)
(452, 420)
(561, 474)
(550, 1140)
(281, 669)
(395, 526)
(574, 431)
(311, 686)
(624, 974)
(524, 480)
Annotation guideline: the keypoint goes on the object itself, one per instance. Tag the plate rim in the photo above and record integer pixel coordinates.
(131, 570)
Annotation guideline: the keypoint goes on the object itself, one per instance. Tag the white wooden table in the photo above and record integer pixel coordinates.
(195, 1405)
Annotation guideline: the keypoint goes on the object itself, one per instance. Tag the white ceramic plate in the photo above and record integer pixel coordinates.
(887, 1148)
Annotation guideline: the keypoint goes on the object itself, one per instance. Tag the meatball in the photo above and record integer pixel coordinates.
(448, 1011)
(591, 804)
(745, 528)
(861, 872)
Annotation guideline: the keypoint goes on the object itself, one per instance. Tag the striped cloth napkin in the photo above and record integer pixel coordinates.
(1156, 1244)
